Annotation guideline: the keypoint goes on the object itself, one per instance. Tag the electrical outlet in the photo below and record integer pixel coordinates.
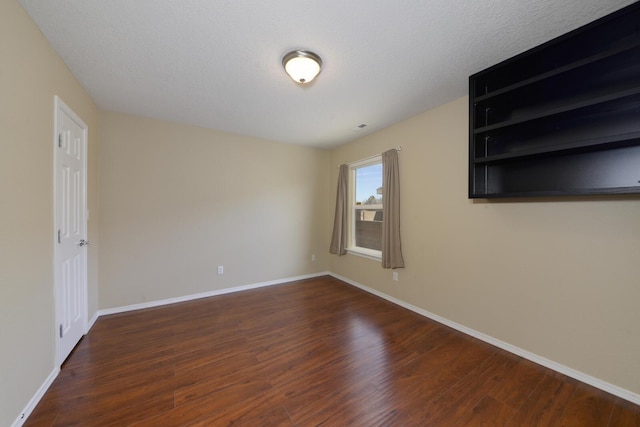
(313, 257)
(395, 276)
(220, 269)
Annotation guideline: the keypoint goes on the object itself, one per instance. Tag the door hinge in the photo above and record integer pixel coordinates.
(60, 140)
(58, 235)
(60, 330)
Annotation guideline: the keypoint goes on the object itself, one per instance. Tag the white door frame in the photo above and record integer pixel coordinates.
(59, 105)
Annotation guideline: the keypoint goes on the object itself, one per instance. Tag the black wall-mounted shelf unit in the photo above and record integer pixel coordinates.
(562, 118)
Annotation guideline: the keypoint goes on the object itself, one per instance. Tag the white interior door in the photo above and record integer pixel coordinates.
(70, 228)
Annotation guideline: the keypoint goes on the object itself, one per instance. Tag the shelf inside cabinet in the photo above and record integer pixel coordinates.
(569, 172)
(542, 112)
(560, 70)
(615, 75)
(632, 138)
(609, 34)
(589, 124)
(588, 192)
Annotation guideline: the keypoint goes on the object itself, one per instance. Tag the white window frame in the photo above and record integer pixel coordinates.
(351, 217)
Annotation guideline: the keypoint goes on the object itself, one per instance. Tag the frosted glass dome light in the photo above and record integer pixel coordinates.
(301, 65)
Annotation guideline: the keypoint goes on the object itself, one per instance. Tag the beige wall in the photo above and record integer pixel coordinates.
(177, 201)
(557, 277)
(30, 75)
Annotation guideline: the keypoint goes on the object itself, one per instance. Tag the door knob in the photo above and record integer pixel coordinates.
(83, 242)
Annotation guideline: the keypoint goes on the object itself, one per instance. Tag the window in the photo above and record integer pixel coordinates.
(365, 213)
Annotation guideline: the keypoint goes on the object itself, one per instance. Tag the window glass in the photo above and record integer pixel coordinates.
(366, 229)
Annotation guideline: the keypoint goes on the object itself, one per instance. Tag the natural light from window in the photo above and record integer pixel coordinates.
(366, 208)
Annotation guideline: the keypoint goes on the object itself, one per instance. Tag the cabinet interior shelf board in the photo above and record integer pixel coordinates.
(569, 146)
(557, 71)
(559, 110)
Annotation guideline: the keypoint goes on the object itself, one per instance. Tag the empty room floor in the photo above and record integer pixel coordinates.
(308, 353)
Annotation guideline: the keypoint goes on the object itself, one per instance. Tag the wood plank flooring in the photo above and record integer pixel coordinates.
(315, 352)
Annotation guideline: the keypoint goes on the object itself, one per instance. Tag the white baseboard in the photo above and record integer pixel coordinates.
(158, 303)
(580, 376)
(36, 398)
(92, 322)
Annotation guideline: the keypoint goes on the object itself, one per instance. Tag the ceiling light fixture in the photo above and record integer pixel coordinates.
(301, 65)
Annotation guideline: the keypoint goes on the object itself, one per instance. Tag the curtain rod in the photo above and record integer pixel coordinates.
(398, 148)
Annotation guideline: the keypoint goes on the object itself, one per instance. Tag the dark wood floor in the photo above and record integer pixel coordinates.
(316, 352)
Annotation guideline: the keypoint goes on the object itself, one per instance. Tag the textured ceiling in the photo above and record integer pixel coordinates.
(217, 64)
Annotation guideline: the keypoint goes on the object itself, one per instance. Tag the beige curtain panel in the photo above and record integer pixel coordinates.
(391, 246)
(339, 236)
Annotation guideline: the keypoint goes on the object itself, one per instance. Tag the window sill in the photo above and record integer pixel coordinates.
(365, 253)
